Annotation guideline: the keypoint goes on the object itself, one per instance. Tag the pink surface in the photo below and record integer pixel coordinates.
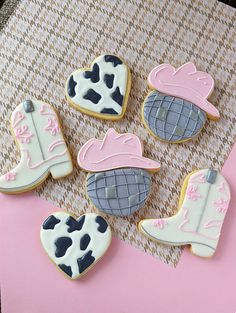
(185, 82)
(114, 151)
(125, 280)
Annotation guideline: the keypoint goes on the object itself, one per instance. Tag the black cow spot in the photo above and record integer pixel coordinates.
(85, 261)
(117, 96)
(94, 74)
(108, 111)
(92, 95)
(75, 224)
(71, 87)
(102, 224)
(109, 79)
(84, 242)
(50, 222)
(66, 269)
(111, 58)
(62, 244)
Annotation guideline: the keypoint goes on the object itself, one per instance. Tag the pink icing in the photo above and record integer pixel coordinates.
(192, 193)
(17, 117)
(10, 176)
(198, 178)
(222, 188)
(186, 220)
(55, 144)
(43, 110)
(221, 205)
(52, 126)
(23, 134)
(160, 223)
(185, 82)
(43, 161)
(114, 151)
(212, 223)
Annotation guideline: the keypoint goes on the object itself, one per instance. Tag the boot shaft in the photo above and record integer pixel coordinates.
(37, 131)
(205, 203)
(43, 149)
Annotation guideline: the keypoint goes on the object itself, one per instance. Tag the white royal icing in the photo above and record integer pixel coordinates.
(99, 243)
(200, 218)
(120, 73)
(42, 146)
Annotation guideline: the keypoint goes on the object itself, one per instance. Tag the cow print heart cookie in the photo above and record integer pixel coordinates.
(101, 91)
(75, 245)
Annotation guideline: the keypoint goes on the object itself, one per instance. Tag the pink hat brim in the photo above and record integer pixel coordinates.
(186, 94)
(200, 102)
(165, 78)
(121, 161)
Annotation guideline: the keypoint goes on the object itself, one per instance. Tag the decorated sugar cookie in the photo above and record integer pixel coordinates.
(38, 134)
(75, 245)
(204, 201)
(101, 91)
(177, 109)
(119, 179)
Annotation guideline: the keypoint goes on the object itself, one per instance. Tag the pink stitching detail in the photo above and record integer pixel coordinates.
(221, 205)
(52, 126)
(23, 134)
(160, 223)
(192, 193)
(10, 176)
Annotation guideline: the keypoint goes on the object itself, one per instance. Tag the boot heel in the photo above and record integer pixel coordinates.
(61, 170)
(202, 250)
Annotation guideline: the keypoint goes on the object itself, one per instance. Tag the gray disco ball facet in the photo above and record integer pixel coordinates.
(119, 192)
(172, 119)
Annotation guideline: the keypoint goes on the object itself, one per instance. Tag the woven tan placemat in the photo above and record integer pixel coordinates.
(44, 41)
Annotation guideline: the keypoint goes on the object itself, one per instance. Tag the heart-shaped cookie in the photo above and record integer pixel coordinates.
(101, 91)
(75, 245)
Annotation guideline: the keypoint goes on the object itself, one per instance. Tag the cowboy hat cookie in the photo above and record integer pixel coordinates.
(119, 179)
(37, 132)
(177, 109)
(75, 245)
(203, 203)
(101, 91)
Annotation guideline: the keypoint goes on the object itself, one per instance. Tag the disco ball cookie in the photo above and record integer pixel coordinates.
(38, 134)
(101, 91)
(177, 109)
(203, 203)
(119, 180)
(75, 245)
